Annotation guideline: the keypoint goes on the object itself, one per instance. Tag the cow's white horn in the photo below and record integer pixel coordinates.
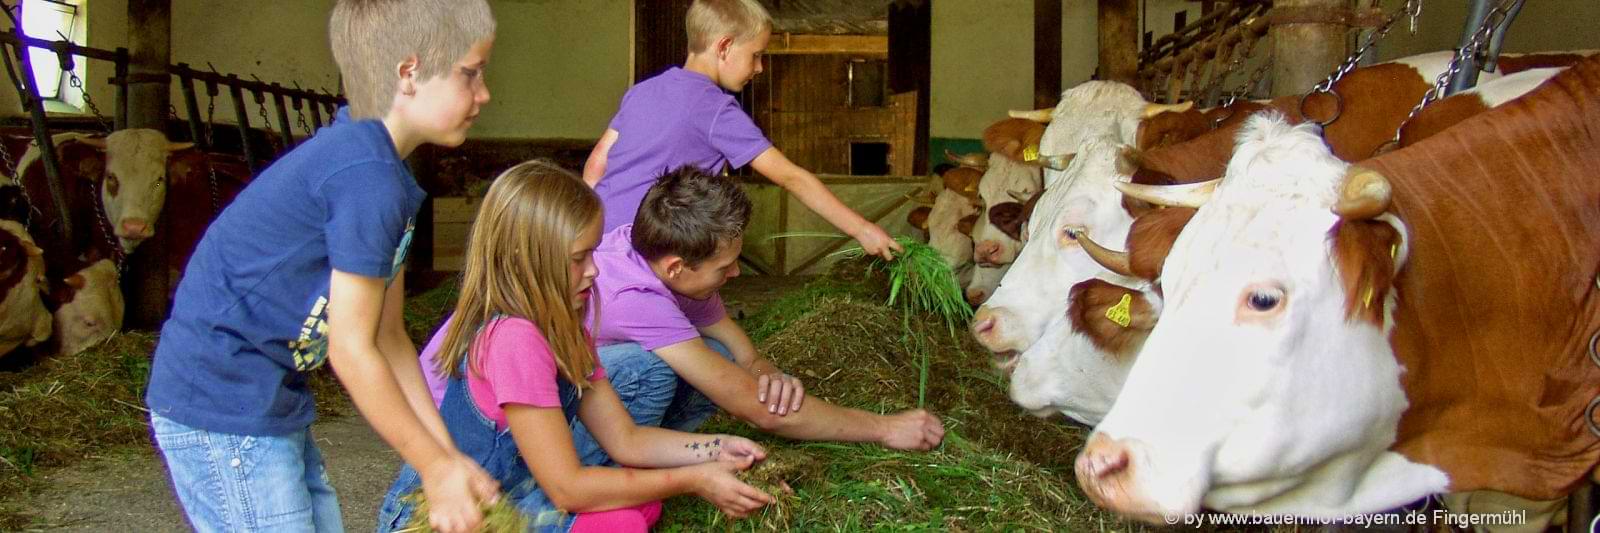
(1056, 162)
(1186, 195)
(1151, 110)
(1041, 116)
(1364, 194)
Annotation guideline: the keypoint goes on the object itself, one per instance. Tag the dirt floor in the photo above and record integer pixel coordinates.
(131, 492)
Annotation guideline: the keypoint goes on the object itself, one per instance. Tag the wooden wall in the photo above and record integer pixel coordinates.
(801, 104)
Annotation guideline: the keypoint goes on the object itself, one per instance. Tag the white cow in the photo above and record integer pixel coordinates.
(94, 312)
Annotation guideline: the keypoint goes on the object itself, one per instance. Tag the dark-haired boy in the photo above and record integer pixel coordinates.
(674, 355)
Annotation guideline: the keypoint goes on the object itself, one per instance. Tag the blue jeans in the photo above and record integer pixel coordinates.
(248, 483)
(651, 391)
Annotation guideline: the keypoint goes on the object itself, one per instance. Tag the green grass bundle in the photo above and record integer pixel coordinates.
(924, 280)
(498, 517)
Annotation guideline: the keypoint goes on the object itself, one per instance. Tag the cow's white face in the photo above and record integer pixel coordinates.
(953, 245)
(1006, 185)
(1064, 372)
(1035, 291)
(1254, 392)
(95, 312)
(135, 186)
(24, 321)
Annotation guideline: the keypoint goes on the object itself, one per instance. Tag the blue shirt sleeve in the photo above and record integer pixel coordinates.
(367, 218)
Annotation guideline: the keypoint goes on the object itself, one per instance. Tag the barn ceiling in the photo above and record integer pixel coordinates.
(830, 17)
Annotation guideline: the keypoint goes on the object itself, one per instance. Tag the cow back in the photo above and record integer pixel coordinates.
(1498, 299)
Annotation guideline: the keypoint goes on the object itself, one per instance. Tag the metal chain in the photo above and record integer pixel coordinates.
(27, 202)
(117, 254)
(1594, 355)
(1411, 9)
(1238, 59)
(211, 117)
(1475, 45)
(88, 101)
(1255, 77)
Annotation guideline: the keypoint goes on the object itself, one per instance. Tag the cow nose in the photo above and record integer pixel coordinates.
(983, 321)
(975, 297)
(987, 252)
(989, 327)
(1102, 457)
(135, 227)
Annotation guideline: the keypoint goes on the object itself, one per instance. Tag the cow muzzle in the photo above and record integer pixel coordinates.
(994, 327)
(1108, 470)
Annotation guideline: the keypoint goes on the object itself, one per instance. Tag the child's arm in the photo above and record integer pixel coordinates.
(395, 345)
(781, 392)
(639, 446)
(810, 190)
(732, 388)
(453, 483)
(595, 167)
(545, 441)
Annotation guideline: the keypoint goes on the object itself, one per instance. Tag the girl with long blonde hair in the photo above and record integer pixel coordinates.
(519, 370)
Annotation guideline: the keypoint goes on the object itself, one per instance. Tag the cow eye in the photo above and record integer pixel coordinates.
(1263, 301)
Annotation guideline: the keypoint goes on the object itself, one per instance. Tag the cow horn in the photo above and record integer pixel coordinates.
(1151, 110)
(1111, 260)
(1041, 116)
(31, 249)
(1186, 195)
(174, 147)
(97, 142)
(1364, 194)
(968, 160)
(922, 197)
(1056, 162)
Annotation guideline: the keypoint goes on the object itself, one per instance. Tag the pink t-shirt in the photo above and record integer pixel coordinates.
(635, 306)
(517, 366)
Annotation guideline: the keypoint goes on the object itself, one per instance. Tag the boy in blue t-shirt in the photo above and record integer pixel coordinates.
(306, 267)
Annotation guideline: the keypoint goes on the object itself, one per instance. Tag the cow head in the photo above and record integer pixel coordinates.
(1078, 366)
(1268, 385)
(1035, 291)
(132, 170)
(1004, 187)
(955, 205)
(93, 310)
(24, 321)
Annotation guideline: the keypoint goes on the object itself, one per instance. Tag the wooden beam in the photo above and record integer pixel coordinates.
(1046, 53)
(1304, 53)
(792, 44)
(146, 282)
(1119, 41)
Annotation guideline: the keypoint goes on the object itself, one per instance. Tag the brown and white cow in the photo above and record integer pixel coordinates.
(1341, 339)
(130, 167)
(955, 209)
(24, 321)
(1013, 175)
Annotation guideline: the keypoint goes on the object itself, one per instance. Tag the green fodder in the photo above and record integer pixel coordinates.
(921, 281)
(997, 469)
(498, 517)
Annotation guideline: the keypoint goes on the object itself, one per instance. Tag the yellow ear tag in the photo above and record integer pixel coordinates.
(1030, 153)
(1394, 250)
(1366, 297)
(1121, 313)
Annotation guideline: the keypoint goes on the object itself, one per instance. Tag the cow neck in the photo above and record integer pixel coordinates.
(1498, 299)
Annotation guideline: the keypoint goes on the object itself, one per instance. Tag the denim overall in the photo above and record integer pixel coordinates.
(477, 438)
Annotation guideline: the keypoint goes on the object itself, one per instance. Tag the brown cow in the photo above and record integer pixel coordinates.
(24, 321)
(1464, 384)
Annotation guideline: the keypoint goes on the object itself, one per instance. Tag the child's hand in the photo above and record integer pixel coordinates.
(456, 487)
(740, 451)
(877, 242)
(782, 393)
(913, 430)
(718, 485)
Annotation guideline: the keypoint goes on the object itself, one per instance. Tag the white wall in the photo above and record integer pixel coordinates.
(559, 66)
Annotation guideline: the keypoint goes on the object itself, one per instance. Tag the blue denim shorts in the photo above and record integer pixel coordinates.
(248, 483)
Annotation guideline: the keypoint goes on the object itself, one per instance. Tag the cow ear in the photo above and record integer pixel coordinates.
(76, 281)
(1127, 160)
(966, 224)
(174, 147)
(92, 168)
(1368, 256)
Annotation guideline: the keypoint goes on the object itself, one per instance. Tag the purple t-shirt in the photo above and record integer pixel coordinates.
(674, 119)
(635, 306)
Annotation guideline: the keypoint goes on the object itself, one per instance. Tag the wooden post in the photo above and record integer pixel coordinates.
(1304, 53)
(146, 283)
(1046, 53)
(1119, 41)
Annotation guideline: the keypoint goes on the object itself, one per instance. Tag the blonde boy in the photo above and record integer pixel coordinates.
(686, 116)
(257, 310)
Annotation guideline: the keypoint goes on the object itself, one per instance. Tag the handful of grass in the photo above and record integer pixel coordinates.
(498, 517)
(926, 281)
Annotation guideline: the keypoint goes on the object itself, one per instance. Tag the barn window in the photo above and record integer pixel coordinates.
(869, 85)
(52, 20)
(869, 158)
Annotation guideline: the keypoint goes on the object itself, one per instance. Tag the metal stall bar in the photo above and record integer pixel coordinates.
(47, 149)
(283, 117)
(250, 157)
(191, 106)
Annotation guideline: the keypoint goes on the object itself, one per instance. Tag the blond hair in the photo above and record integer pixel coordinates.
(709, 20)
(516, 266)
(371, 37)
